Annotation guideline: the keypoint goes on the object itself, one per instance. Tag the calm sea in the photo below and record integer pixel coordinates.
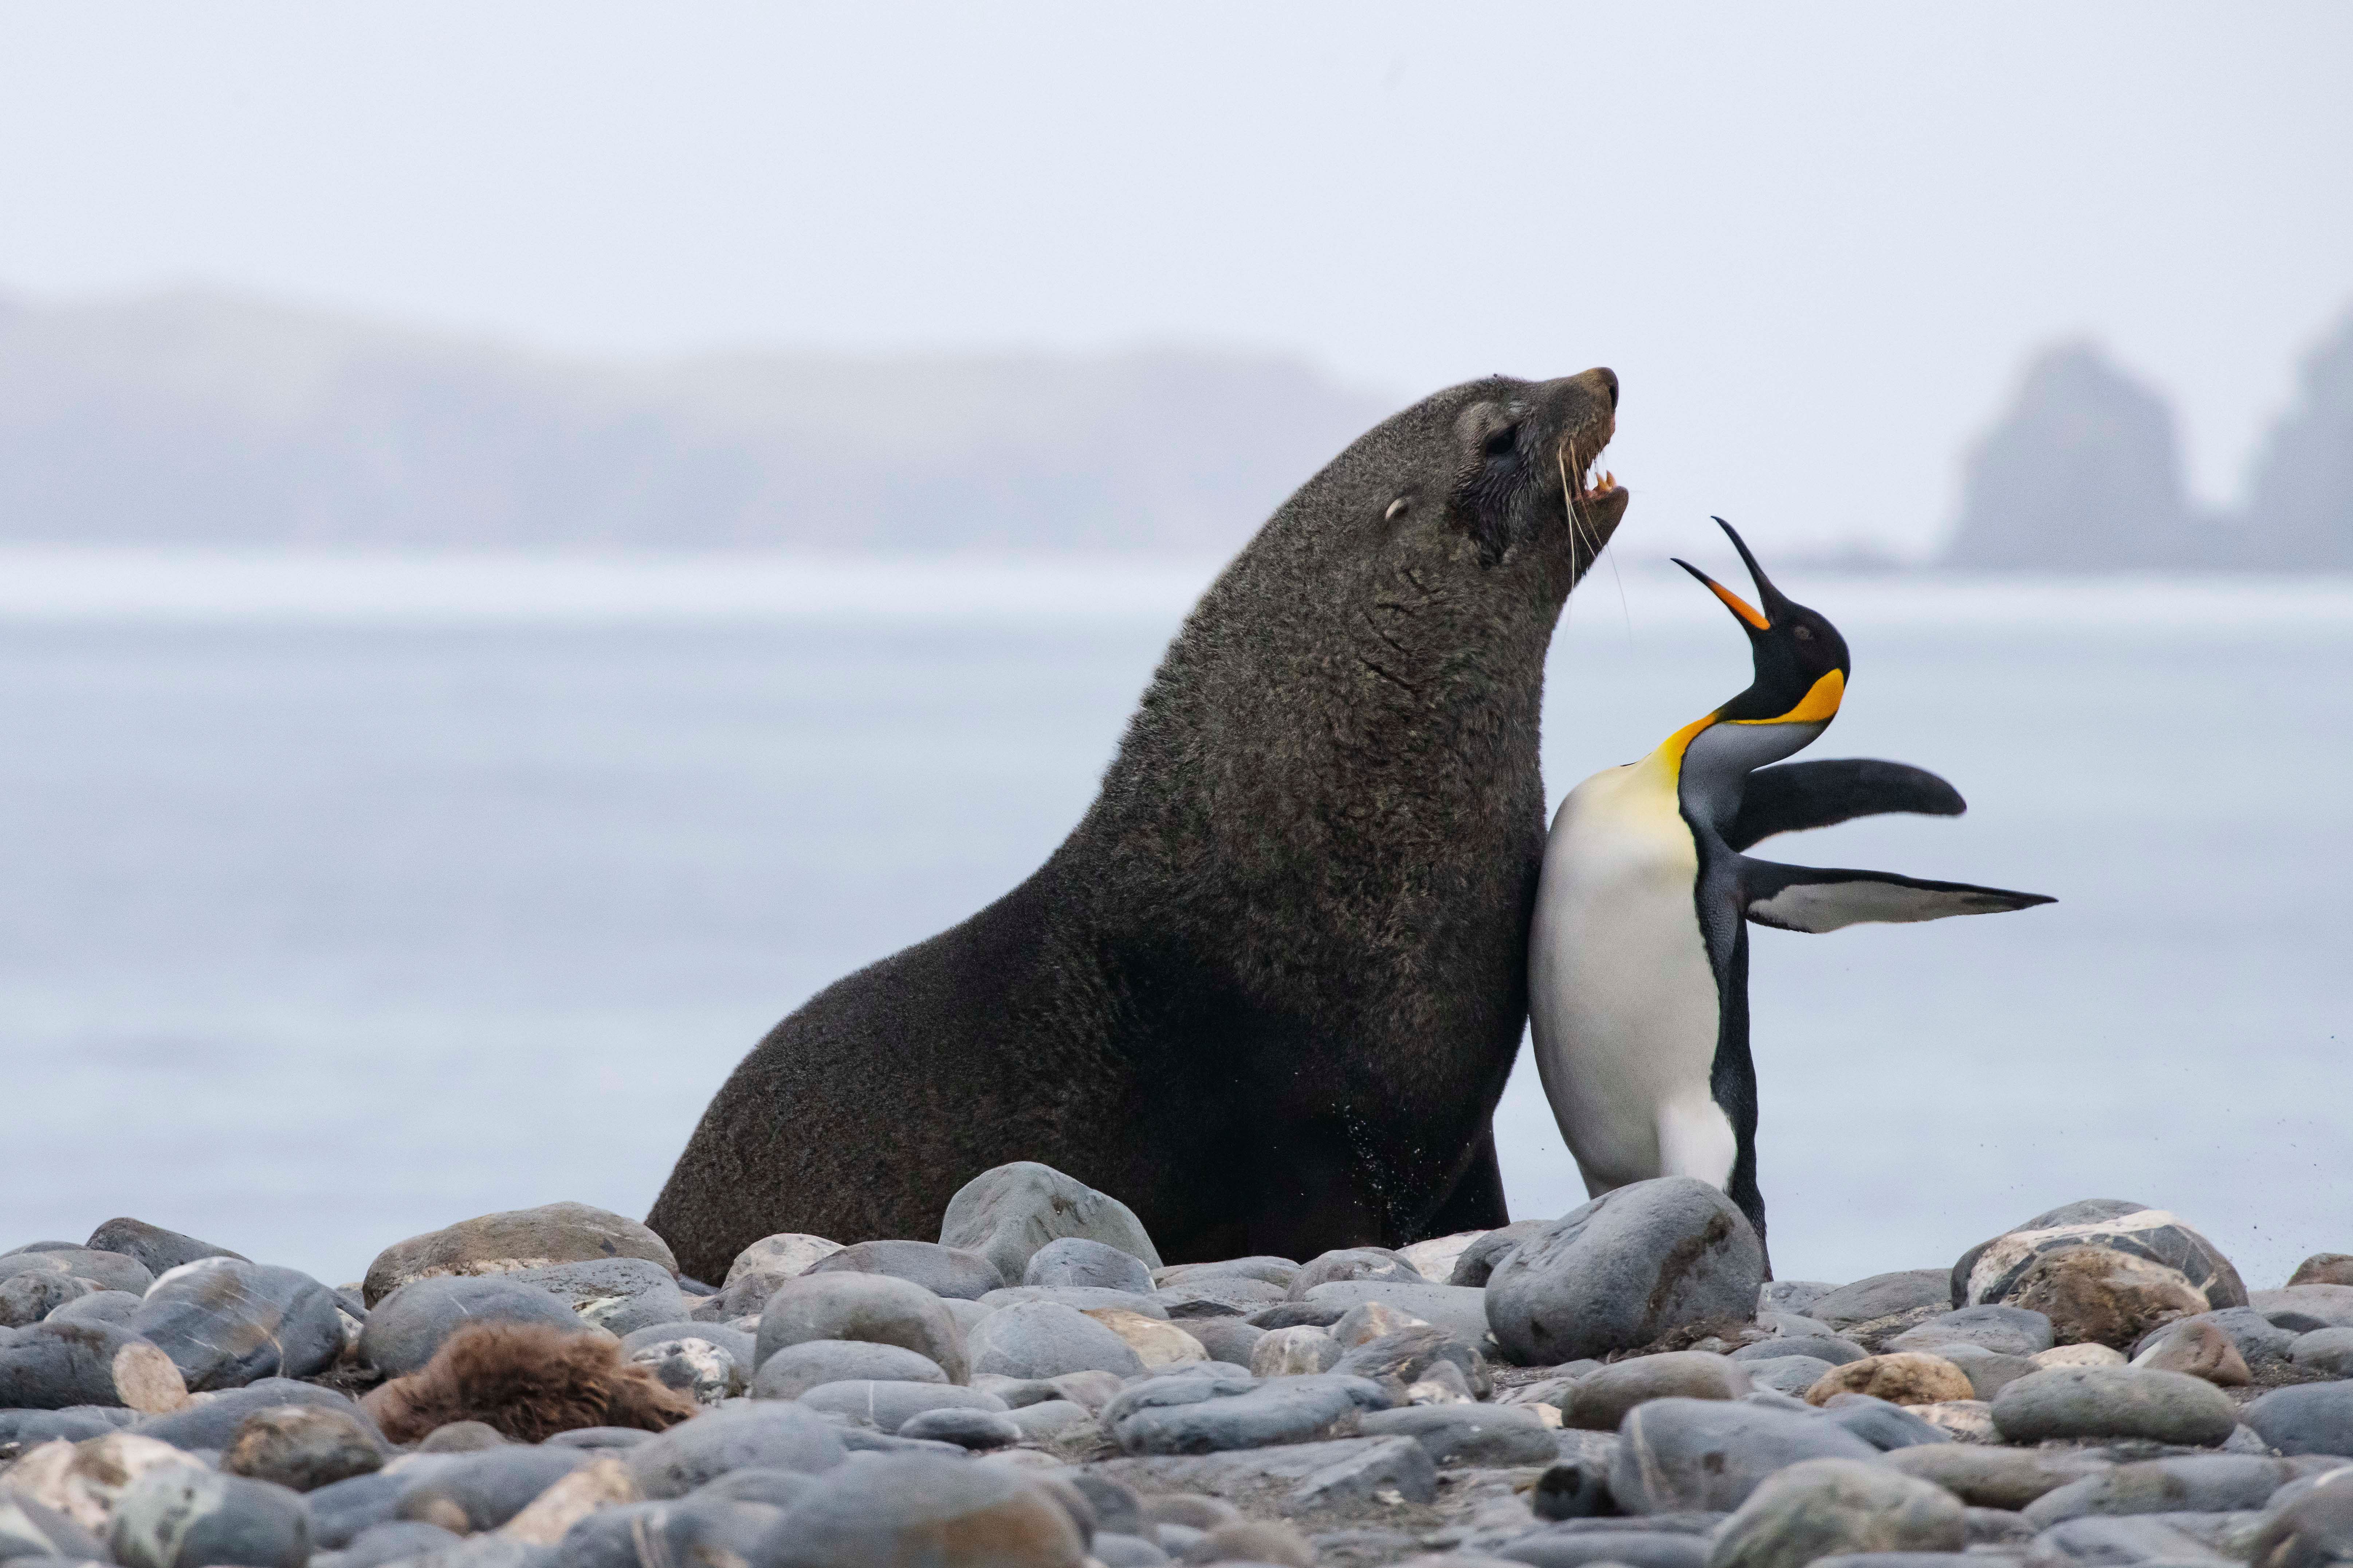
(340, 898)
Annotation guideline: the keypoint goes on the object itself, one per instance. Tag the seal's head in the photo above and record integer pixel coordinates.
(1503, 470)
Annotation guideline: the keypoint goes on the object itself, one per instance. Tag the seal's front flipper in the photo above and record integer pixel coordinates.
(1795, 796)
(1817, 899)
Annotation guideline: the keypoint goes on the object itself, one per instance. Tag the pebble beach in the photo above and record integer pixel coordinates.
(1035, 1386)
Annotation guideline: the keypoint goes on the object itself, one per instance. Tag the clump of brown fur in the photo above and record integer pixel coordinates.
(527, 1381)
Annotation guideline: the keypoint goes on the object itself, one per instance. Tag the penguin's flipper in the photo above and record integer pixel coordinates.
(1817, 899)
(1794, 796)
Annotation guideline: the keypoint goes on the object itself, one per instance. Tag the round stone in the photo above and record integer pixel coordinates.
(1906, 1377)
(1044, 1339)
(302, 1447)
(1077, 1260)
(516, 1239)
(2115, 1402)
(1376, 1265)
(2103, 1271)
(795, 1370)
(225, 1322)
(948, 1271)
(781, 1256)
(1293, 1352)
(913, 1511)
(188, 1517)
(966, 1428)
(1624, 1270)
(886, 1407)
(1600, 1400)
(407, 1326)
(1010, 1212)
(1821, 1508)
(879, 1308)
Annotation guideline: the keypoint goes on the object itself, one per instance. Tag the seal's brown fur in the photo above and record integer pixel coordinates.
(528, 1382)
(1269, 990)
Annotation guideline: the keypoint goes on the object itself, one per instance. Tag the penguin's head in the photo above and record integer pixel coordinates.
(1800, 659)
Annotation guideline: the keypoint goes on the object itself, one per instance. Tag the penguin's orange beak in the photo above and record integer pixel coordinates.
(1732, 601)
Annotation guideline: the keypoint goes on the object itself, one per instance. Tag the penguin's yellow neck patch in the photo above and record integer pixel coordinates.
(1819, 706)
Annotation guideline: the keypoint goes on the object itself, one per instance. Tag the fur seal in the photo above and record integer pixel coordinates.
(1269, 990)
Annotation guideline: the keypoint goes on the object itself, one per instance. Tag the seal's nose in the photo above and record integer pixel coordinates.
(1609, 379)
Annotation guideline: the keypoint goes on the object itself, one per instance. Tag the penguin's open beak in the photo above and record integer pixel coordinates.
(1749, 614)
(1755, 619)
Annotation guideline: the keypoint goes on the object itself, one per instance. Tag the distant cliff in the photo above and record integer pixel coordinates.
(196, 418)
(2084, 474)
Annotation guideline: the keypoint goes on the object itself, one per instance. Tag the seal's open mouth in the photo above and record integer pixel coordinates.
(1581, 454)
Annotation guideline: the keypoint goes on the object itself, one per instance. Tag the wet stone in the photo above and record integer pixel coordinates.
(1293, 1477)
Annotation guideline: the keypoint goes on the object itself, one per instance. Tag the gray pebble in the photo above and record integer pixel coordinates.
(407, 1326)
(2114, 1402)
(1681, 1455)
(875, 1308)
(887, 1406)
(966, 1428)
(1593, 1281)
(1046, 1339)
(947, 1271)
(1076, 1261)
(795, 1370)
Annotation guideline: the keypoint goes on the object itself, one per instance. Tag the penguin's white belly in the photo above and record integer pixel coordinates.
(1622, 999)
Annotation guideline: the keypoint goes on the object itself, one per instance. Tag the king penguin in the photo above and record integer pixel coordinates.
(1638, 956)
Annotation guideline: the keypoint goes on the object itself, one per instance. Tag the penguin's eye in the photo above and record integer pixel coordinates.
(1502, 443)
(1804, 634)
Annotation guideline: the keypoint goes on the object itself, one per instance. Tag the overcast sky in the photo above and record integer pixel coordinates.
(1816, 242)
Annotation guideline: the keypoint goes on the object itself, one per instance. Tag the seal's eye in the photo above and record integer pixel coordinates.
(1502, 443)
